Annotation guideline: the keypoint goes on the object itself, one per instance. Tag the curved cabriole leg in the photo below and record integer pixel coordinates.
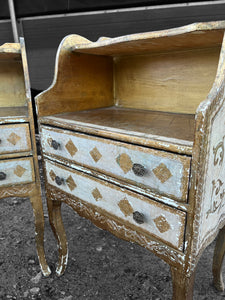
(35, 199)
(55, 219)
(183, 286)
(218, 260)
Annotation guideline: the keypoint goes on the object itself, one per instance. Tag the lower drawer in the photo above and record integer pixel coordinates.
(16, 171)
(138, 212)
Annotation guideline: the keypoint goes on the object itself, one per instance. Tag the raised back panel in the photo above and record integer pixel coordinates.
(175, 81)
(12, 87)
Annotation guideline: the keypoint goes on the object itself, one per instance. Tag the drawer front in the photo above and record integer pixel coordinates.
(14, 138)
(163, 222)
(159, 171)
(16, 171)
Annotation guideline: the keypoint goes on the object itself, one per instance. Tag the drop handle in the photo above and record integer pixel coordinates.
(55, 145)
(139, 170)
(59, 180)
(2, 176)
(138, 217)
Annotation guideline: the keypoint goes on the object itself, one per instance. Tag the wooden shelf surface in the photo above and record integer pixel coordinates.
(168, 131)
(13, 114)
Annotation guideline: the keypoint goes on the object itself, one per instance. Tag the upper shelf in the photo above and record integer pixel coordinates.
(197, 35)
(149, 128)
(10, 51)
(13, 114)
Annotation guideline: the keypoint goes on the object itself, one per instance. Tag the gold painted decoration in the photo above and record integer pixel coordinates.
(162, 224)
(13, 138)
(125, 162)
(19, 171)
(70, 182)
(52, 175)
(95, 154)
(125, 207)
(162, 172)
(71, 148)
(49, 141)
(96, 194)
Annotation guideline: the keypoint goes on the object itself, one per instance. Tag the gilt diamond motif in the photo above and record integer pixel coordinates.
(19, 171)
(162, 172)
(95, 154)
(71, 148)
(162, 224)
(13, 138)
(125, 162)
(70, 182)
(52, 175)
(125, 207)
(49, 141)
(96, 194)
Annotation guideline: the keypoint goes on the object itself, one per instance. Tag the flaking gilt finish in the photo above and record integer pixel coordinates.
(18, 156)
(153, 100)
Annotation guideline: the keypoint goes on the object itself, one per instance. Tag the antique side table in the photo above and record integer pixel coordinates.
(19, 172)
(133, 137)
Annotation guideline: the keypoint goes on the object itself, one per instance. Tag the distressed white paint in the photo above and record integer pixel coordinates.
(110, 150)
(213, 203)
(22, 145)
(111, 196)
(9, 166)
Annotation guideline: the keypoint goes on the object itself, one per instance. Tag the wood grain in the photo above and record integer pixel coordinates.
(12, 89)
(81, 82)
(148, 123)
(173, 82)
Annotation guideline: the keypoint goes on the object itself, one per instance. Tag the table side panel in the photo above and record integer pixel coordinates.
(213, 194)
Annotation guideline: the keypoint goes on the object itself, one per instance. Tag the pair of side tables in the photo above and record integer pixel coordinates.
(133, 135)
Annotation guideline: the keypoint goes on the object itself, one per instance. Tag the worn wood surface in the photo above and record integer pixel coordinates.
(16, 114)
(93, 88)
(11, 76)
(149, 128)
(176, 81)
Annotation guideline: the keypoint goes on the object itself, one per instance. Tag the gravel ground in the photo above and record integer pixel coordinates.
(100, 265)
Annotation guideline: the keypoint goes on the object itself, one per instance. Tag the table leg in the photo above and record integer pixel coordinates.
(36, 201)
(183, 286)
(55, 219)
(218, 260)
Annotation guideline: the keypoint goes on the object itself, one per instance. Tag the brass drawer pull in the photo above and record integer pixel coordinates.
(55, 145)
(138, 217)
(139, 170)
(2, 176)
(59, 180)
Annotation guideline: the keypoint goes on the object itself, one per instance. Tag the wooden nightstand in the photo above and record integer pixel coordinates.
(133, 137)
(19, 172)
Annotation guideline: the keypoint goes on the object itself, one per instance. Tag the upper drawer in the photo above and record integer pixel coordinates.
(16, 171)
(157, 171)
(14, 138)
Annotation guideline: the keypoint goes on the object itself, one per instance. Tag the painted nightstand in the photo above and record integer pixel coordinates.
(19, 172)
(133, 135)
